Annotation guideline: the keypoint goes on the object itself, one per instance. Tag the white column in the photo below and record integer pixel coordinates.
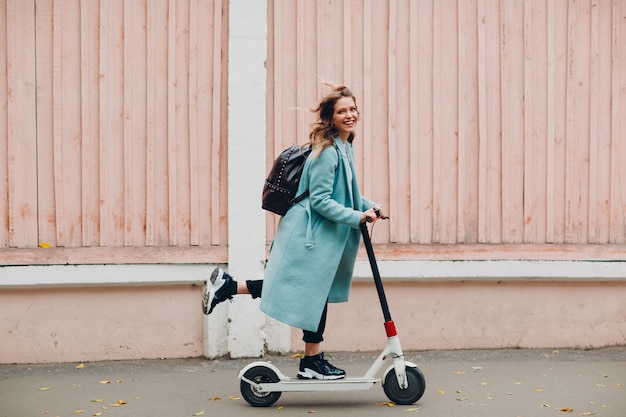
(243, 330)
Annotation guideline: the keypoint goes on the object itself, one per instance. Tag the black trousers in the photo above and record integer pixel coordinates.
(256, 287)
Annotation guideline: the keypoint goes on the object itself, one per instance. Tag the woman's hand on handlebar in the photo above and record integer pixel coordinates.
(372, 214)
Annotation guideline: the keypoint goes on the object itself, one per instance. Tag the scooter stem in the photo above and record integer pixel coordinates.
(377, 280)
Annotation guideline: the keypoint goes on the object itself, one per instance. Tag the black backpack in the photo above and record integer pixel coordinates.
(281, 185)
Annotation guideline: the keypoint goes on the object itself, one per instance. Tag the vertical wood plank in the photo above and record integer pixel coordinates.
(494, 169)
(535, 99)
(367, 177)
(218, 154)
(272, 58)
(599, 124)
(151, 115)
(205, 120)
(193, 124)
(448, 122)
(425, 36)
(302, 61)
(4, 190)
(483, 218)
(392, 112)
(577, 141)
(57, 132)
(618, 126)
(436, 155)
(467, 227)
(621, 133)
(550, 123)
(127, 139)
(462, 117)
(592, 226)
(512, 79)
(402, 163)
(528, 102)
(347, 43)
(104, 125)
(21, 131)
(47, 223)
(88, 209)
(278, 76)
(414, 212)
(557, 161)
(172, 148)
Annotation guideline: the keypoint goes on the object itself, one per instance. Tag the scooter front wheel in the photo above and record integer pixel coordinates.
(412, 393)
(254, 396)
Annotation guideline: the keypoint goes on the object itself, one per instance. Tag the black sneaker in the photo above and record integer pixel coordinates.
(316, 367)
(222, 288)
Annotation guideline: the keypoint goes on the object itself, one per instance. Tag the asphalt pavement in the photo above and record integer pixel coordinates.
(485, 383)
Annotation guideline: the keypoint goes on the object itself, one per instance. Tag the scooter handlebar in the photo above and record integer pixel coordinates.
(379, 214)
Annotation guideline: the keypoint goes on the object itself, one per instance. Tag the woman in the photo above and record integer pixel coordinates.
(313, 254)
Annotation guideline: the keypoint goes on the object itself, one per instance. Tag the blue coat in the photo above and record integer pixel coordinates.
(312, 257)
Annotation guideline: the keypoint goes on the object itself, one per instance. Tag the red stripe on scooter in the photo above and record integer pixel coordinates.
(390, 328)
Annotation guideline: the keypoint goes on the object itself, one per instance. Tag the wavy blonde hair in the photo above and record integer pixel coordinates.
(323, 132)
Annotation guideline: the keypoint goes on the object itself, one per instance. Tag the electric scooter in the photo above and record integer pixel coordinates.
(262, 383)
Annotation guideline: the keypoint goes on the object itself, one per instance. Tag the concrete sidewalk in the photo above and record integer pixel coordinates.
(490, 383)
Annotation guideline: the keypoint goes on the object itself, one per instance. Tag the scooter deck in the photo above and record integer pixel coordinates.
(308, 385)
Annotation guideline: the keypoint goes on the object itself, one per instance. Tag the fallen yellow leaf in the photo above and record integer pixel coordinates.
(601, 385)
(412, 409)
(388, 403)
(545, 405)
(214, 399)
(79, 411)
(45, 245)
(105, 382)
(297, 355)
(588, 413)
(199, 413)
(458, 372)
(566, 410)
(441, 392)
(280, 407)
(538, 390)
(80, 366)
(234, 398)
(96, 401)
(99, 413)
(44, 388)
(121, 402)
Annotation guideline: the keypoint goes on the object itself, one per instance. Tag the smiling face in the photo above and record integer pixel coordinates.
(345, 116)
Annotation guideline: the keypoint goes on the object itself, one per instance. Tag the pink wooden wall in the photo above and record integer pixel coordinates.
(113, 130)
(483, 122)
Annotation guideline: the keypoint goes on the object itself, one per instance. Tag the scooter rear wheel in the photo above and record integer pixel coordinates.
(253, 395)
(412, 393)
